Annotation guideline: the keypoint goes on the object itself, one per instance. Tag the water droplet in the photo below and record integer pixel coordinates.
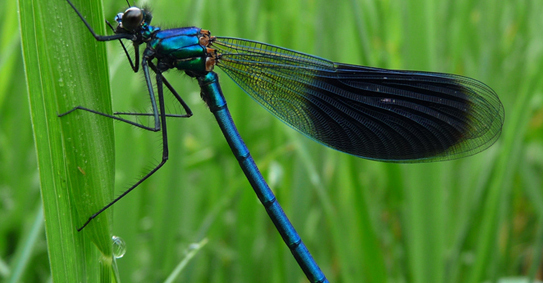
(119, 247)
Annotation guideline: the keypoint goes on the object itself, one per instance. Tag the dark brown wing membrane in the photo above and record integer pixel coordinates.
(396, 116)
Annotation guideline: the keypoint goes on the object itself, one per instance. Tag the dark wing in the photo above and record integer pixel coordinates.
(396, 116)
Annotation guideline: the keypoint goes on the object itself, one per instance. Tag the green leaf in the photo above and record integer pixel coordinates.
(65, 67)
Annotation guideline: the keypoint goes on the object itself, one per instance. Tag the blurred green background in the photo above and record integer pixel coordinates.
(478, 219)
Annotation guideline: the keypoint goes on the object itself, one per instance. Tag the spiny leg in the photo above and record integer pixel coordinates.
(165, 150)
(187, 109)
(135, 67)
(155, 113)
(100, 37)
(172, 90)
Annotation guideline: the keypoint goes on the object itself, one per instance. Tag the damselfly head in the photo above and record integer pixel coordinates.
(133, 18)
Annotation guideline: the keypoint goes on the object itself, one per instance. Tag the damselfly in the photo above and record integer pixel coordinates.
(379, 114)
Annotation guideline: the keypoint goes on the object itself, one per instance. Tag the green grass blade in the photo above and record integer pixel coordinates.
(74, 152)
(23, 256)
(191, 252)
(8, 46)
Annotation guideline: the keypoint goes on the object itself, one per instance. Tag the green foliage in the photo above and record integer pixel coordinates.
(75, 177)
(470, 220)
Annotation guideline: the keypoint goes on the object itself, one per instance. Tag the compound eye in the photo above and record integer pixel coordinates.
(132, 18)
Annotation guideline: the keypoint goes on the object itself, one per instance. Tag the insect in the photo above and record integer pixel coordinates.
(378, 114)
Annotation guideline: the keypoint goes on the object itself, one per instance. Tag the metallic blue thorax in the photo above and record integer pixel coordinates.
(180, 48)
